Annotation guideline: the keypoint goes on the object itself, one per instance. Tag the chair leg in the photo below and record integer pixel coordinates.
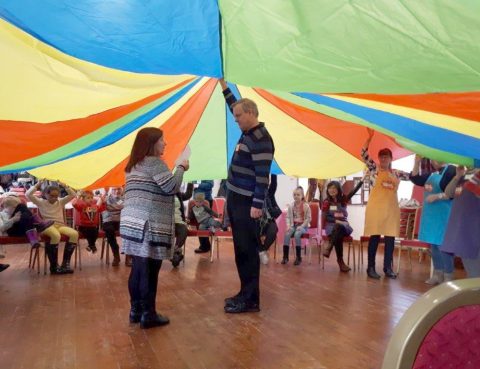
(275, 250)
(309, 252)
(45, 262)
(75, 255)
(79, 255)
(352, 248)
(399, 258)
(218, 248)
(321, 258)
(212, 247)
(103, 248)
(30, 259)
(410, 257)
(107, 253)
(37, 254)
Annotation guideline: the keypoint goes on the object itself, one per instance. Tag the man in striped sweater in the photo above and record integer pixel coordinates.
(247, 184)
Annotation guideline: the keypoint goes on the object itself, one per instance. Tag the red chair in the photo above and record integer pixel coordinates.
(440, 330)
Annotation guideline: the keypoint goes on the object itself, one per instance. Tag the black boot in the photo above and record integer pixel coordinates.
(343, 267)
(67, 255)
(328, 249)
(372, 273)
(52, 254)
(298, 259)
(150, 318)
(177, 258)
(285, 254)
(389, 273)
(135, 311)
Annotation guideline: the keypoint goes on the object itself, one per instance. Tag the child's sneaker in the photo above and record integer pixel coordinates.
(263, 257)
(93, 248)
(88, 249)
(212, 230)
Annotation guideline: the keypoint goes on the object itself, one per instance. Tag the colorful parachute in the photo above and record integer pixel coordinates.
(79, 78)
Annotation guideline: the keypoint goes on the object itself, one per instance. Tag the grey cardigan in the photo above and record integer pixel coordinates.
(147, 219)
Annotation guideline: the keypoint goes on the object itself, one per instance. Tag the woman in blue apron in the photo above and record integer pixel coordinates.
(435, 214)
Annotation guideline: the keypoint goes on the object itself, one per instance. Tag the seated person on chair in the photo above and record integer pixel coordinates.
(181, 229)
(203, 215)
(89, 209)
(205, 186)
(334, 220)
(16, 220)
(111, 221)
(52, 208)
(298, 220)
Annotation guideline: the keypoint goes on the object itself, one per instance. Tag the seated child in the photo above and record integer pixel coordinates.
(16, 220)
(52, 208)
(111, 220)
(89, 210)
(202, 213)
(298, 220)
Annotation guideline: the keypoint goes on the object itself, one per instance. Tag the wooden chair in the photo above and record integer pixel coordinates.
(440, 328)
(408, 220)
(218, 206)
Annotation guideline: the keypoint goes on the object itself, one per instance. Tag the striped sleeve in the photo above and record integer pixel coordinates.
(262, 149)
(168, 182)
(229, 98)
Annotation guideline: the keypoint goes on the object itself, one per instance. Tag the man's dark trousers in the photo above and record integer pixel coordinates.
(246, 245)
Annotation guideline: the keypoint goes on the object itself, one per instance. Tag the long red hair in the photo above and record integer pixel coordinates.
(143, 146)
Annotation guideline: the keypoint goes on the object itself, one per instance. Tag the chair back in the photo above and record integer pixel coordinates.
(314, 210)
(75, 217)
(441, 327)
(218, 206)
(408, 217)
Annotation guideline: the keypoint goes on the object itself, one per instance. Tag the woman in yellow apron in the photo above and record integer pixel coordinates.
(382, 215)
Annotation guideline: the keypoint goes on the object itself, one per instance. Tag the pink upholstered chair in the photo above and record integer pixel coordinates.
(440, 330)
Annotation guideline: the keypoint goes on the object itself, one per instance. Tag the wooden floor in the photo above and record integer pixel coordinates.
(310, 318)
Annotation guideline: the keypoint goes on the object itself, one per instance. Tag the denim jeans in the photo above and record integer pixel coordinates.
(295, 232)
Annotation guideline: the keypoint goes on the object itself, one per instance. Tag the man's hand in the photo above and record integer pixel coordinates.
(223, 84)
(255, 213)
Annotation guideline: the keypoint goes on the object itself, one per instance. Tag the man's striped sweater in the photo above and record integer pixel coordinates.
(249, 169)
